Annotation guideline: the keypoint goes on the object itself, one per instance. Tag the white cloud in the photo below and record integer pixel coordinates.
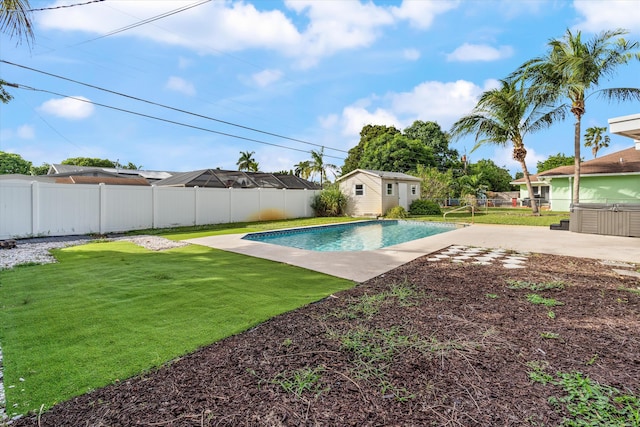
(411, 54)
(479, 52)
(26, 132)
(354, 118)
(606, 15)
(225, 26)
(266, 77)
(180, 85)
(421, 13)
(68, 108)
(184, 63)
(329, 122)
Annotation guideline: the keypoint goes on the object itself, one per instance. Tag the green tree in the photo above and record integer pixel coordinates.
(506, 115)
(89, 162)
(302, 169)
(396, 153)
(593, 138)
(554, 161)
(430, 134)
(368, 133)
(5, 96)
(493, 176)
(435, 185)
(13, 163)
(15, 19)
(247, 162)
(572, 69)
(318, 166)
(40, 170)
(472, 185)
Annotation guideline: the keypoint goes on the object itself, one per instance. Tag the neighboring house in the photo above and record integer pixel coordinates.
(372, 193)
(614, 178)
(541, 189)
(60, 170)
(218, 178)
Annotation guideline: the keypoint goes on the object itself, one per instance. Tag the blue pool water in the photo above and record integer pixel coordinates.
(360, 236)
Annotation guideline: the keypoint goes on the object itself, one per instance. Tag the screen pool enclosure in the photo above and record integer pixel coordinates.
(358, 236)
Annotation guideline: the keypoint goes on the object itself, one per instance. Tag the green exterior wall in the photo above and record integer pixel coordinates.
(596, 189)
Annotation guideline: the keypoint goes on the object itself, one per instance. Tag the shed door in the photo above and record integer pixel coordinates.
(402, 195)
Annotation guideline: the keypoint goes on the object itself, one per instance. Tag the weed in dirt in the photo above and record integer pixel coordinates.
(536, 287)
(632, 290)
(551, 314)
(547, 302)
(367, 306)
(301, 380)
(593, 360)
(287, 342)
(550, 335)
(587, 402)
(492, 296)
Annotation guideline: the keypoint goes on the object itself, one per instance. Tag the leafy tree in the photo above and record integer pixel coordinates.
(554, 161)
(519, 175)
(13, 163)
(435, 185)
(572, 69)
(247, 162)
(89, 162)
(430, 134)
(15, 19)
(396, 153)
(302, 169)
(368, 133)
(5, 96)
(505, 115)
(40, 170)
(318, 166)
(593, 138)
(472, 185)
(493, 176)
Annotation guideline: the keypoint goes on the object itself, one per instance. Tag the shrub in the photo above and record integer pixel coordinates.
(330, 202)
(424, 207)
(396, 212)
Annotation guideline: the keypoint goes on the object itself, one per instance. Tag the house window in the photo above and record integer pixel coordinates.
(389, 189)
(414, 190)
(359, 189)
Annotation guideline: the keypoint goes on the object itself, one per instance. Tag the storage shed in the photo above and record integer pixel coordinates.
(372, 192)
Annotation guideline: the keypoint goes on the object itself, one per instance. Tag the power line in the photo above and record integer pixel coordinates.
(171, 108)
(146, 21)
(20, 86)
(64, 6)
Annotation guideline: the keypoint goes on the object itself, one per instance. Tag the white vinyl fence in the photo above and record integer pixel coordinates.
(44, 209)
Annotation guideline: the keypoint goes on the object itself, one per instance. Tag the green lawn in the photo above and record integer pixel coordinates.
(108, 311)
(507, 216)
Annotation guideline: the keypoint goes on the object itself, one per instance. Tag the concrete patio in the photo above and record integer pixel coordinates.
(364, 265)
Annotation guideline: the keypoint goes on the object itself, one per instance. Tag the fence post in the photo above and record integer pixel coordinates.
(154, 206)
(102, 207)
(35, 207)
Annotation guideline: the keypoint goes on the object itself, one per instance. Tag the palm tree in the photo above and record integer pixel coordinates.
(505, 115)
(572, 69)
(593, 138)
(303, 169)
(247, 162)
(15, 19)
(317, 165)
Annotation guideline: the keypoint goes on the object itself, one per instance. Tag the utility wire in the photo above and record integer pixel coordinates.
(171, 108)
(145, 21)
(20, 86)
(64, 6)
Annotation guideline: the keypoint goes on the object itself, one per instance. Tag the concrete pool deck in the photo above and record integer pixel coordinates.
(364, 265)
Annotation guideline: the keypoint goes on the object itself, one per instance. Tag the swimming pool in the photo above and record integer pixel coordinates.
(357, 236)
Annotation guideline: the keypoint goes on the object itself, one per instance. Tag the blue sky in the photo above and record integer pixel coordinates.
(315, 71)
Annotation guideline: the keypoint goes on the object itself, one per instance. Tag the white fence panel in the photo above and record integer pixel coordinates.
(173, 206)
(213, 205)
(15, 209)
(46, 209)
(126, 207)
(66, 209)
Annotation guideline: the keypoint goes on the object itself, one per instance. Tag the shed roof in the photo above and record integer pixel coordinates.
(383, 174)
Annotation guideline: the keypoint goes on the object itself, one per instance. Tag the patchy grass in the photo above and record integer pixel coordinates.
(506, 216)
(109, 311)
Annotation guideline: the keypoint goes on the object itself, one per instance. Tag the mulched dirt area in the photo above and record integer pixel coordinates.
(430, 343)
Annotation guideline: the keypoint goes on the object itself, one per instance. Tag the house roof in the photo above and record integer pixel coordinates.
(60, 169)
(534, 180)
(217, 178)
(81, 179)
(628, 126)
(383, 174)
(621, 162)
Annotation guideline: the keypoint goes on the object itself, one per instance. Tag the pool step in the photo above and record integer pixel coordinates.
(564, 225)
